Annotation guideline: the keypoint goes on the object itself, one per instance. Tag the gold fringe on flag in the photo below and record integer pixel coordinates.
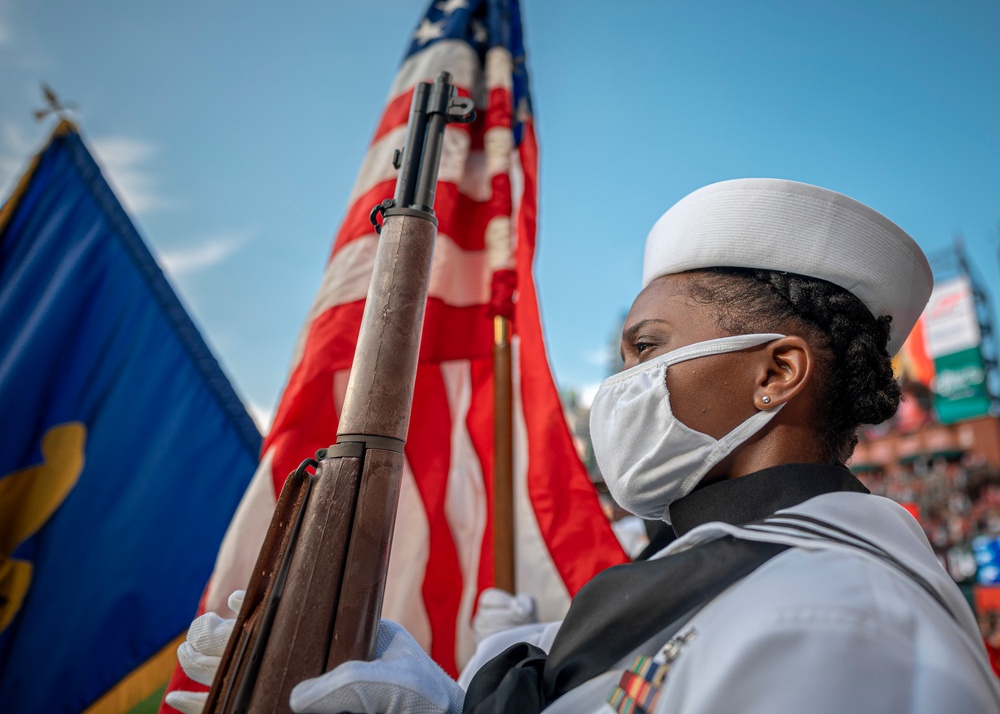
(65, 126)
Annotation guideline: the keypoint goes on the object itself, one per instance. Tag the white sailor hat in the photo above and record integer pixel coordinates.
(772, 224)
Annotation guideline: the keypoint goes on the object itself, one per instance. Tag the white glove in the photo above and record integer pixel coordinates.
(199, 655)
(402, 679)
(499, 611)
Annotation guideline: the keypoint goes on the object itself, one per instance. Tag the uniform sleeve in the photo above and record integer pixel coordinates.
(822, 661)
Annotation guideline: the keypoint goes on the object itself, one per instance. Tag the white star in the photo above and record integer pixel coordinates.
(428, 31)
(449, 6)
(479, 33)
(523, 113)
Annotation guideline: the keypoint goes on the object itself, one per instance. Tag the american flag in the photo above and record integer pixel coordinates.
(486, 206)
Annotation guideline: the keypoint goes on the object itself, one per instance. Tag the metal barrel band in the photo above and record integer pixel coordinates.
(354, 449)
(415, 212)
(365, 441)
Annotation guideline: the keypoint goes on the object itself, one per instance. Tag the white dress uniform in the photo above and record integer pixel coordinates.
(822, 627)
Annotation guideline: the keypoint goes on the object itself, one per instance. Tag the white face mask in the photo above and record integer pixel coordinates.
(648, 458)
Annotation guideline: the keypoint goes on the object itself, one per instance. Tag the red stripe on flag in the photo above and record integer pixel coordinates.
(460, 217)
(428, 451)
(449, 333)
(501, 203)
(357, 222)
(498, 110)
(452, 333)
(479, 422)
(310, 424)
(306, 418)
(397, 113)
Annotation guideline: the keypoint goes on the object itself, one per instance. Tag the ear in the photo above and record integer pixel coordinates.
(786, 369)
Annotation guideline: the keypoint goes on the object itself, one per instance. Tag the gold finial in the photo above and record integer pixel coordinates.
(53, 105)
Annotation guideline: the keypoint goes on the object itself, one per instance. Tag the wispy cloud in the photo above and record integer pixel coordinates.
(124, 162)
(184, 261)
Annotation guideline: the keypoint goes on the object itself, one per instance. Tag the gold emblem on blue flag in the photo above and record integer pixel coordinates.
(28, 498)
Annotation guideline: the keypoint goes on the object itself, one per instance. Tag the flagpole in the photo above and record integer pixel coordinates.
(503, 449)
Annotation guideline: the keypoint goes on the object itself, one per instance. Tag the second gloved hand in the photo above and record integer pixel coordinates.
(200, 654)
(402, 679)
(499, 611)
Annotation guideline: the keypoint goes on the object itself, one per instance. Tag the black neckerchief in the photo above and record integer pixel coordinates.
(756, 496)
(648, 596)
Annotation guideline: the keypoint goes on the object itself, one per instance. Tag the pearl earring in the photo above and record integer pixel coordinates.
(766, 399)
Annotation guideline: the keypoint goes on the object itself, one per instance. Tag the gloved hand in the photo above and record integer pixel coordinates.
(402, 679)
(499, 611)
(199, 655)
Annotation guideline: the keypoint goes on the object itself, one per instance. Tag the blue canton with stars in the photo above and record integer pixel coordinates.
(483, 24)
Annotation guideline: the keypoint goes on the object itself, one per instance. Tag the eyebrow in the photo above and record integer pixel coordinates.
(631, 332)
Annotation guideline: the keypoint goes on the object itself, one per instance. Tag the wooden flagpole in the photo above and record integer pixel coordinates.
(503, 457)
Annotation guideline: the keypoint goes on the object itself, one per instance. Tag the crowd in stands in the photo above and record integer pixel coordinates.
(957, 502)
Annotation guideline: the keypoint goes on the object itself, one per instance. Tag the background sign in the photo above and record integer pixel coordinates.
(943, 354)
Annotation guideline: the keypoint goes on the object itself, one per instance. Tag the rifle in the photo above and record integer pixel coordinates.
(315, 597)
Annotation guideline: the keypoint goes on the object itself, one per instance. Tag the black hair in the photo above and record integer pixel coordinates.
(857, 385)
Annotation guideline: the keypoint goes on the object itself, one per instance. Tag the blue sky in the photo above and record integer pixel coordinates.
(233, 133)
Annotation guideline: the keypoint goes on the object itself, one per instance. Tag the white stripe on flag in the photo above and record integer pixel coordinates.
(404, 599)
(377, 165)
(499, 69)
(498, 142)
(340, 379)
(350, 268)
(455, 56)
(465, 502)
(498, 242)
(517, 194)
(459, 278)
(476, 181)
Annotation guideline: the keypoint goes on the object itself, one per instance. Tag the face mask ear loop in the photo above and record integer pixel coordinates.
(729, 443)
(721, 345)
(717, 346)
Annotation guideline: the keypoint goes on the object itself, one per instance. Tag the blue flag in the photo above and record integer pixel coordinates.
(123, 448)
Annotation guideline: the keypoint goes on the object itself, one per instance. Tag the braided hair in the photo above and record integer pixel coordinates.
(857, 385)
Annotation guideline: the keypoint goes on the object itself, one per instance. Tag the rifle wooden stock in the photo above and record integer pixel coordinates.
(315, 597)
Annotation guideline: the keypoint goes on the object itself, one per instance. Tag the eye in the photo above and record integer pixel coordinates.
(643, 340)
